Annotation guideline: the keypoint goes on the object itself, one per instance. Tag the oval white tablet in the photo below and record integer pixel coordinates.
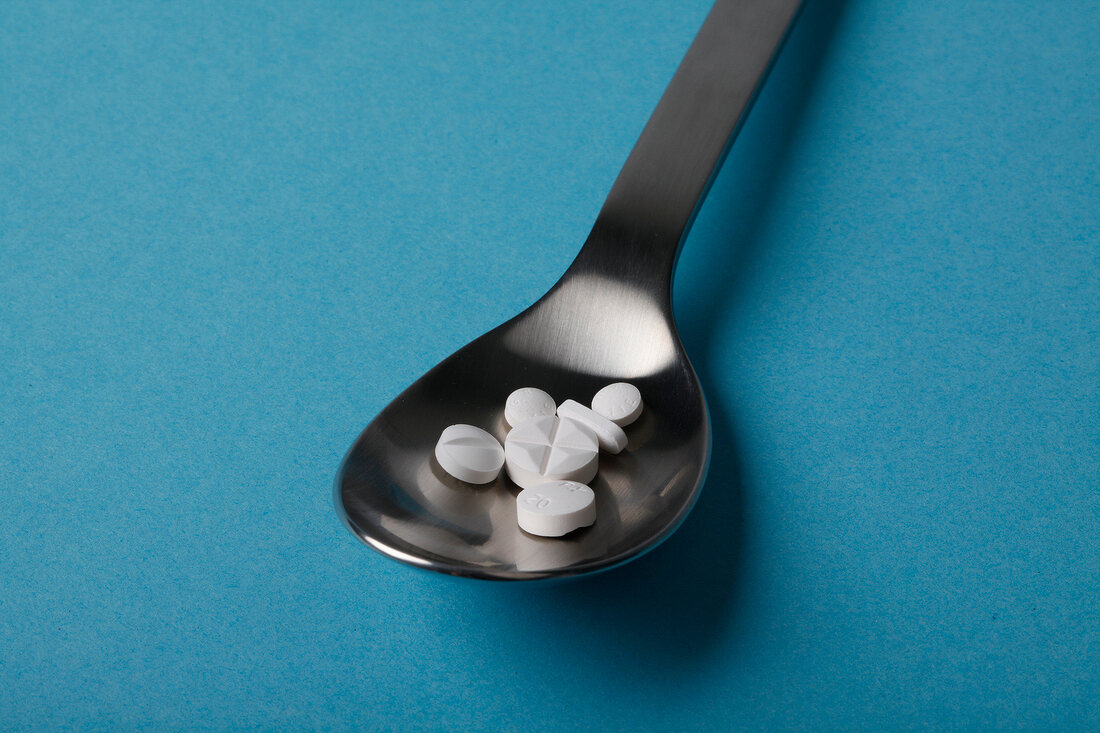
(469, 454)
(611, 436)
(550, 448)
(621, 403)
(555, 508)
(527, 403)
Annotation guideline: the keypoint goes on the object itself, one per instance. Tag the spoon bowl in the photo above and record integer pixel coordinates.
(609, 319)
(581, 336)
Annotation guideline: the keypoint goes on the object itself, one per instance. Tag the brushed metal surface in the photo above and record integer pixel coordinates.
(608, 319)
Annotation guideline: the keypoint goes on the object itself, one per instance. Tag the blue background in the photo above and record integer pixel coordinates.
(232, 232)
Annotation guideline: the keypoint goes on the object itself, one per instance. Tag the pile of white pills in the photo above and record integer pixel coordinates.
(551, 452)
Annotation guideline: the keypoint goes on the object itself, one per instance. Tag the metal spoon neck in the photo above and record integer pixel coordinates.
(618, 251)
(656, 196)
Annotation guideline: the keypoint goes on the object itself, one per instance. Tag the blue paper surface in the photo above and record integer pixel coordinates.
(230, 233)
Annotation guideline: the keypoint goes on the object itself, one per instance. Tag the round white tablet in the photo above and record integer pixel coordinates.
(611, 436)
(527, 403)
(550, 448)
(469, 454)
(621, 403)
(555, 508)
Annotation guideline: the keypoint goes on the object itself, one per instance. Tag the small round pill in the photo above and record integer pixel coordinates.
(550, 448)
(469, 454)
(611, 436)
(555, 508)
(621, 403)
(527, 403)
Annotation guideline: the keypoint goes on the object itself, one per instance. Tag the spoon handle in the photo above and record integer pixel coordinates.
(653, 203)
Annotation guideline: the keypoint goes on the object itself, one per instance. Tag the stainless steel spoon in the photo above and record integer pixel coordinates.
(608, 319)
